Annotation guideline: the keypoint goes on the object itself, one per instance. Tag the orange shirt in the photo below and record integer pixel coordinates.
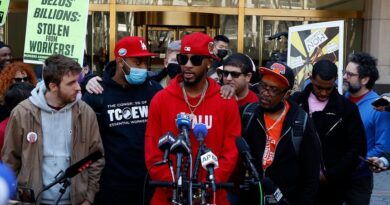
(273, 136)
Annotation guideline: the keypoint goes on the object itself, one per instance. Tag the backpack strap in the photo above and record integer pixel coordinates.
(298, 129)
(247, 116)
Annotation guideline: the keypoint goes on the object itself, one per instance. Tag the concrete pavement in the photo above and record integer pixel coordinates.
(381, 192)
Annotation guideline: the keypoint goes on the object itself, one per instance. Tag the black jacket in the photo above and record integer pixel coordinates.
(296, 174)
(341, 132)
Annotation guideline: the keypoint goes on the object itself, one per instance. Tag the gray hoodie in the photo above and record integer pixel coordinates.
(57, 142)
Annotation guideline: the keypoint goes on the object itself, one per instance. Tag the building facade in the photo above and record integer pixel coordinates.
(249, 24)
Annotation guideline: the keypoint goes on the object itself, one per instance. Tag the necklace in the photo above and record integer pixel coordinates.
(277, 120)
(193, 107)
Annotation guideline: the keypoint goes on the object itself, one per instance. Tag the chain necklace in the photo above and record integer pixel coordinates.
(277, 120)
(193, 107)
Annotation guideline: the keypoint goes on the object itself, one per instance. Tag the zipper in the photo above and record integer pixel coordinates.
(276, 147)
(334, 126)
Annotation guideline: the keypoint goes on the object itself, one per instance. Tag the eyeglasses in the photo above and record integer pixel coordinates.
(232, 73)
(272, 90)
(25, 79)
(350, 74)
(196, 60)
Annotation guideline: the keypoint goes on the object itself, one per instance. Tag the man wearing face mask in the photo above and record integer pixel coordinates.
(122, 112)
(220, 50)
(171, 67)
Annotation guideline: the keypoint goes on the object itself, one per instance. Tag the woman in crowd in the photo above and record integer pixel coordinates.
(14, 73)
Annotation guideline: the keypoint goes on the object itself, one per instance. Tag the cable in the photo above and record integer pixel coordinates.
(261, 194)
(145, 180)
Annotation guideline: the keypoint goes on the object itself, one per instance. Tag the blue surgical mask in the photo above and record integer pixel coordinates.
(136, 76)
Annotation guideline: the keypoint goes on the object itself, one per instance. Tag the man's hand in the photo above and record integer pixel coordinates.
(86, 202)
(93, 86)
(227, 91)
(376, 165)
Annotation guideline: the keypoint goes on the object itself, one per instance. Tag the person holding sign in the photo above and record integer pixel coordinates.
(122, 111)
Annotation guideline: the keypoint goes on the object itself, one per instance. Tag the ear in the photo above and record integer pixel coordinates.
(53, 87)
(365, 80)
(248, 77)
(211, 48)
(119, 62)
(287, 94)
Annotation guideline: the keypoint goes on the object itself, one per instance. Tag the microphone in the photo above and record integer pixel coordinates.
(183, 123)
(164, 144)
(244, 150)
(272, 195)
(7, 183)
(210, 163)
(180, 147)
(76, 168)
(200, 132)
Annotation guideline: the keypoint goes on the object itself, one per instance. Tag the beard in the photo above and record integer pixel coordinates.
(275, 108)
(66, 98)
(197, 79)
(354, 88)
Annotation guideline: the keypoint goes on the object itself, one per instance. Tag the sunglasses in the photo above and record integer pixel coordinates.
(25, 79)
(234, 74)
(196, 60)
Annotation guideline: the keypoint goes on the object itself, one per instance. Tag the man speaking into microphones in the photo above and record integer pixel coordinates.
(193, 93)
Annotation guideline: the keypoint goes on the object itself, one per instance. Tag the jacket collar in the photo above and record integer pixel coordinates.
(331, 106)
(289, 120)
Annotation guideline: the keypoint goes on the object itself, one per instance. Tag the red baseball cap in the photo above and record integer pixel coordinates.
(132, 46)
(196, 43)
(282, 72)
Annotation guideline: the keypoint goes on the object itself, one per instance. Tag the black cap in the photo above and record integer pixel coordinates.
(281, 71)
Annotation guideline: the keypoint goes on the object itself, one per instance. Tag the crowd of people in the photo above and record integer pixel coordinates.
(313, 146)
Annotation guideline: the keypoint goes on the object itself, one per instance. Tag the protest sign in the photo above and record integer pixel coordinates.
(3, 11)
(55, 27)
(310, 43)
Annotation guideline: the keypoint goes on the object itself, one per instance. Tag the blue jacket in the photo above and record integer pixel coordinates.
(376, 124)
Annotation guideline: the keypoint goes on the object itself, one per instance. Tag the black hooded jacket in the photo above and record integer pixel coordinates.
(341, 132)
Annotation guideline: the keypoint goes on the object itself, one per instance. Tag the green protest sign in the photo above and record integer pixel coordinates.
(3, 11)
(55, 27)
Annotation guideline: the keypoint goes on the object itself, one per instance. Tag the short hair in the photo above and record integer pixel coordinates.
(366, 67)
(326, 69)
(16, 93)
(56, 66)
(240, 60)
(221, 38)
(2, 44)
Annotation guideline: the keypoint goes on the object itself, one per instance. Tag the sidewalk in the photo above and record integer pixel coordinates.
(381, 192)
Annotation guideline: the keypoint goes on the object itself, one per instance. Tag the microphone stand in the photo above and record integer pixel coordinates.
(65, 185)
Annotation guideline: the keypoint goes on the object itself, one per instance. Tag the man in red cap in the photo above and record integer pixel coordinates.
(193, 93)
(122, 112)
(283, 141)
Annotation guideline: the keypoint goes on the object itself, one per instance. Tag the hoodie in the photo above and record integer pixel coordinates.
(221, 118)
(376, 124)
(122, 115)
(57, 132)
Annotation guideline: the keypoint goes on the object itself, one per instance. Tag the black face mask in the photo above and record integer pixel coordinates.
(222, 53)
(173, 69)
